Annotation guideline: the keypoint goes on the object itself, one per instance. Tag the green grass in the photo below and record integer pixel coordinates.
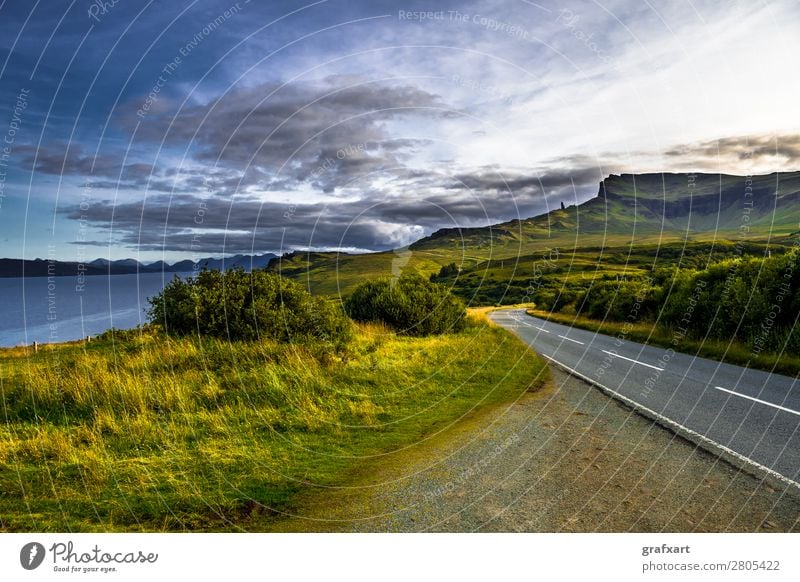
(156, 434)
(338, 274)
(501, 273)
(731, 352)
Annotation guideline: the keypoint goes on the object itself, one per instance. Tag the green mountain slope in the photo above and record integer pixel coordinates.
(633, 215)
(648, 208)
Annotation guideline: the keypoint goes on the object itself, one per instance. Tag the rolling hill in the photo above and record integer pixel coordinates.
(667, 215)
(650, 207)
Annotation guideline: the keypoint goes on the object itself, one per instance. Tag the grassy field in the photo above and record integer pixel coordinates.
(502, 273)
(337, 274)
(152, 434)
(731, 352)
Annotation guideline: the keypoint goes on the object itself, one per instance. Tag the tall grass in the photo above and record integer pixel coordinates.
(151, 433)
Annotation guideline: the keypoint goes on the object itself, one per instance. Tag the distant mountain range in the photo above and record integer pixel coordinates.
(44, 268)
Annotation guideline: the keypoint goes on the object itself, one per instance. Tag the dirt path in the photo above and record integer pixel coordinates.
(566, 458)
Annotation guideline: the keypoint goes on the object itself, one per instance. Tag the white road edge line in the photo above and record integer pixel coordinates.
(570, 339)
(632, 360)
(757, 400)
(675, 425)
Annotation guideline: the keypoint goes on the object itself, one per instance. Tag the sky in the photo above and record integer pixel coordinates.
(169, 130)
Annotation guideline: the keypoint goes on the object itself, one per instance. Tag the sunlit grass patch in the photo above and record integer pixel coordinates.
(150, 433)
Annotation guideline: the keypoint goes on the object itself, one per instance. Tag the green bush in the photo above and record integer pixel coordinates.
(621, 300)
(446, 272)
(411, 305)
(236, 305)
(554, 300)
(752, 300)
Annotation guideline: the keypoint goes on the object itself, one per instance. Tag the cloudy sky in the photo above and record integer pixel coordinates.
(191, 128)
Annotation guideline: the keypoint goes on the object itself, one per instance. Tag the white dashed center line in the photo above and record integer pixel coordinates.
(632, 360)
(759, 401)
(541, 329)
(570, 339)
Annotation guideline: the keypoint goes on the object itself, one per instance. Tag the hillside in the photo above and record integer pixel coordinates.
(648, 208)
(633, 218)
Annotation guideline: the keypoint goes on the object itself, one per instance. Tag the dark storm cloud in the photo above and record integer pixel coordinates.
(752, 147)
(325, 133)
(549, 181)
(331, 135)
(99, 171)
(62, 159)
(375, 220)
(190, 223)
(107, 171)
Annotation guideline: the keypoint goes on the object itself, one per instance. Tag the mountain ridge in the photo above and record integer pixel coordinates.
(691, 202)
(44, 267)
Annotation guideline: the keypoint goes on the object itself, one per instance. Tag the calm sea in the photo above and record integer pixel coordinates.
(57, 309)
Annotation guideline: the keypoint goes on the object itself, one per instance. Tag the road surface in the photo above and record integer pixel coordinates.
(749, 415)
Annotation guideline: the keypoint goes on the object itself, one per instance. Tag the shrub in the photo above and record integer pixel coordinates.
(446, 272)
(752, 300)
(411, 305)
(635, 300)
(554, 300)
(248, 306)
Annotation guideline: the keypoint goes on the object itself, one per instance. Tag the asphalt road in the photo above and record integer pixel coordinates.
(754, 414)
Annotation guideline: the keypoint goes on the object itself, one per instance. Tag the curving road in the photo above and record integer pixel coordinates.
(746, 415)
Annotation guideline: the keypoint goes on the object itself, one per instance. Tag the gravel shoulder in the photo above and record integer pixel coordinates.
(566, 458)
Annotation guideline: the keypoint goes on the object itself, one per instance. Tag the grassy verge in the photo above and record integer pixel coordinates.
(150, 434)
(730, 352)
